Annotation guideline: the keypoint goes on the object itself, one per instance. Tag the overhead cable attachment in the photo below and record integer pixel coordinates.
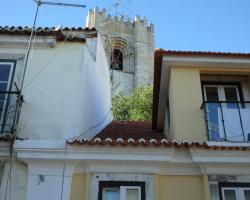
(59, 4)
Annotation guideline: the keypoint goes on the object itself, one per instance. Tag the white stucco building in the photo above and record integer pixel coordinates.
(66, 93)
(57, 141)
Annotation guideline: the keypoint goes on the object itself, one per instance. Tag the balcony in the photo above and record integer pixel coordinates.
(227, 120)
(10, 103)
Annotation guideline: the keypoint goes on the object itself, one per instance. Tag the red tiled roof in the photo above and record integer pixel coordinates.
(153, 143)
(48, 31)
(130, 129)
(203, 53)
(136, 134)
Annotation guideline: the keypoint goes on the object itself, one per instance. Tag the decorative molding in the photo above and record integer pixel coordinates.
(7, 41)
(166, 161)
(204, 61)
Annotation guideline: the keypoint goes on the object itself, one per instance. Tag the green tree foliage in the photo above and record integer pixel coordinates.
(136, 107)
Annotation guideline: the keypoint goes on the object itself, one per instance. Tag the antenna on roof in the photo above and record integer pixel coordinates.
(59, 4)
(39, 3)
(59, 27)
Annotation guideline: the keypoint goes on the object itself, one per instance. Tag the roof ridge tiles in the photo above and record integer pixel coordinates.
(153, 143)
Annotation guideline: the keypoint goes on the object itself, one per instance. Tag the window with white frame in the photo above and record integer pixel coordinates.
(235, 191)
(226, 112)
(116, 190)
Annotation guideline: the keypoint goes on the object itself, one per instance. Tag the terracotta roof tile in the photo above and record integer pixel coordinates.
(153, 143)
(136, 134)
(25, 29)
(49, 31)
(130, 129)
(202, 53)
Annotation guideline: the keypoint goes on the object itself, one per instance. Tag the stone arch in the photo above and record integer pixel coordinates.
(127, 50)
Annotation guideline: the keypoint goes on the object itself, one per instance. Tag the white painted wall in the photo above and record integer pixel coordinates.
(67, 94)
(14, 187)
(96, 90)
(66, 89)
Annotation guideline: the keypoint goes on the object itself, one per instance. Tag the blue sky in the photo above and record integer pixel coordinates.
(206, 25)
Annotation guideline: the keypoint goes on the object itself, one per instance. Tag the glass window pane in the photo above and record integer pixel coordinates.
(1, 105)
(212, 93)
(215, 124)
(111, 195)
(132, 194)
(1, 170)
(230, 194)
(4, 72)
(214, 192)
(247, 194)
(231, 94)
(3, 87)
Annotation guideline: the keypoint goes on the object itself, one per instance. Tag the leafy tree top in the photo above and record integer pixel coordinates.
(136, 107)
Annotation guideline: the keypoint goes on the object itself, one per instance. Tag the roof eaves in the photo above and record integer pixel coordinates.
(50, 31)
(158, 56)
(152, 143)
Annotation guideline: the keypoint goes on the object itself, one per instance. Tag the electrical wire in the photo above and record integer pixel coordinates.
(94, 126)
(48, 61)
(51, 14)
(22, 88)
(32, 47)
(28, 84)
(64, 167)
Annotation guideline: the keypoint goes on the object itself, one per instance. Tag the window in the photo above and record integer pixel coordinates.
(227, 115)
(228, 93)
(234, 191)
(1, 170)
(117, 60)
(6, 71)
(6, 110)
(116, 190)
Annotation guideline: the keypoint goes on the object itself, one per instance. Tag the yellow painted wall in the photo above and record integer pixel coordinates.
(185, 99)
(80, 187)
(181, 187)
(166, 187)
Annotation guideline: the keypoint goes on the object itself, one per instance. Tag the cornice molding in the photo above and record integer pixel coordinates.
(165, 161)
(23, 41)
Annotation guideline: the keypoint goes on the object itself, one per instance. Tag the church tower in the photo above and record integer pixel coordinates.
(129, 47)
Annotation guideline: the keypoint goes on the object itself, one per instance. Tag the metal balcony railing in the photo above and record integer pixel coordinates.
(227, 121)
(10, 103)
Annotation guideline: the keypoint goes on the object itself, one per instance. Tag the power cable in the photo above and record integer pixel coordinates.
(47, 63)
(30, 47)
(94, 126)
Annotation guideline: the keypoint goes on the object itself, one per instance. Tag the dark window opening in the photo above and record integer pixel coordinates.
(116, 60)
(235, 191)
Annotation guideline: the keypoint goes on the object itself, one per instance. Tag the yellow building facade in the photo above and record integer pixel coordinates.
(198, 148)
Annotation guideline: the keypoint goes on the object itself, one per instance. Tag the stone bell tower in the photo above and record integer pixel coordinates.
(129, 47)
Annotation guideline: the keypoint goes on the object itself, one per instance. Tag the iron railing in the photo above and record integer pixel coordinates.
(10, 103)
(227, 120)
